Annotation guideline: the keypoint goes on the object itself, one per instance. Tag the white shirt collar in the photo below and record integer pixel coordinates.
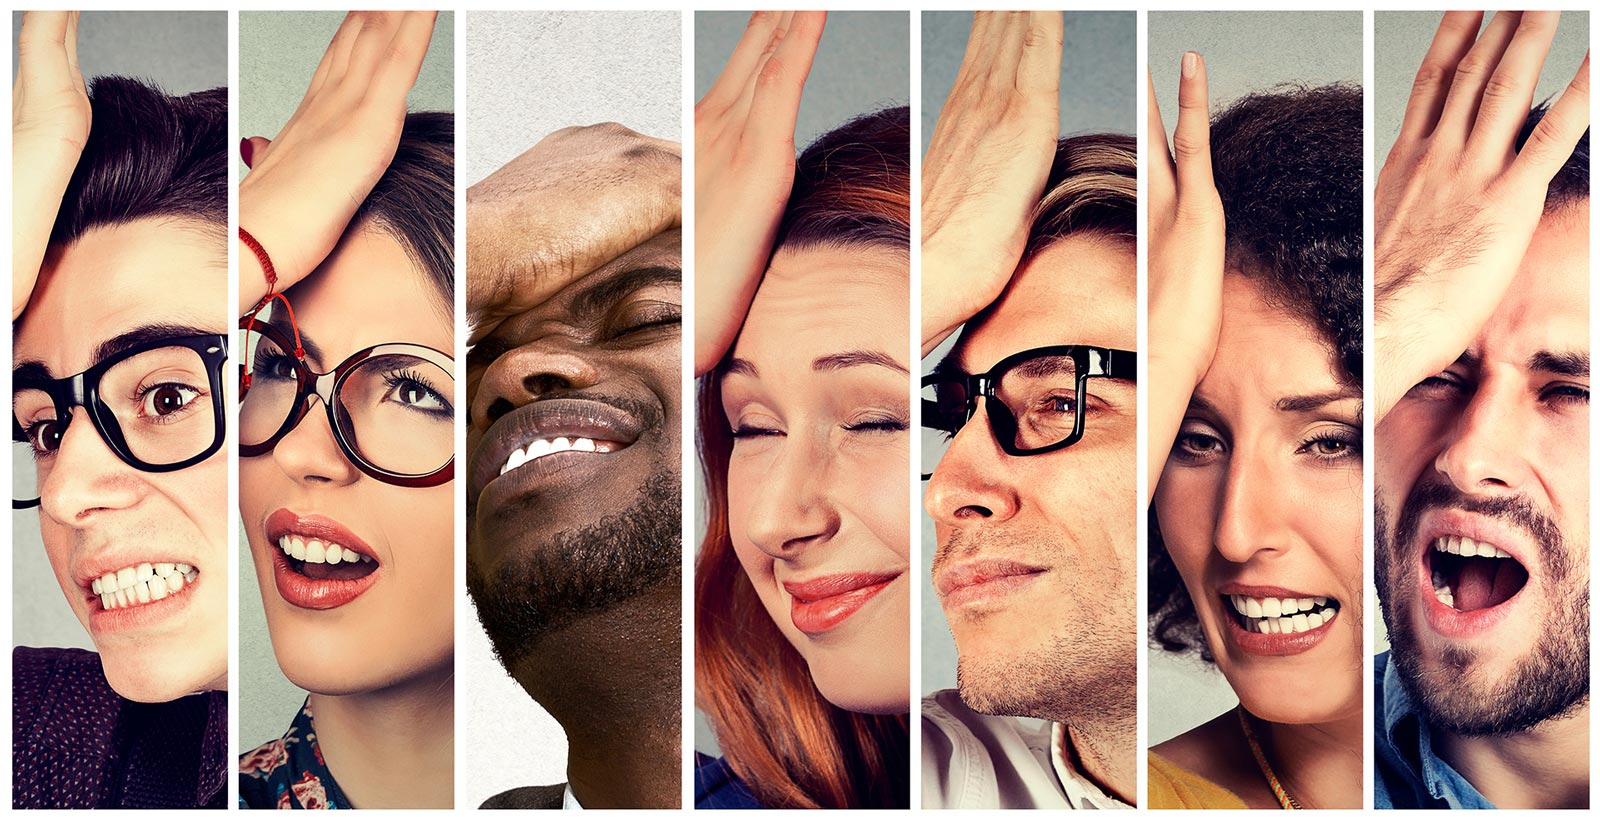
(569, 801)
(1081, 792)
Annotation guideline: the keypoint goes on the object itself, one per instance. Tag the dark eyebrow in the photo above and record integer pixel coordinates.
(600, 296)
(37, 371)
(844, 360)
(1565, 364)
(739, 365)
(1311, 402)
(287, 330)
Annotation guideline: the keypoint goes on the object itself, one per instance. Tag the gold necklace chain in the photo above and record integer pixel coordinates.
(1285, 799)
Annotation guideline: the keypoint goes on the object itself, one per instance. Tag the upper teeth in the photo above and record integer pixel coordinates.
(1274, 615)
(142, 583)
(1462, 546)
(540, 448)
(317, 551)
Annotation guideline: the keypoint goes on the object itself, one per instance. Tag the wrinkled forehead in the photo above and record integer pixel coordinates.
(116, 279)
(1081, 290)
(821, 300)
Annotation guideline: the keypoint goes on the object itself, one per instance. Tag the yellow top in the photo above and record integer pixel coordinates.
(1172, 786)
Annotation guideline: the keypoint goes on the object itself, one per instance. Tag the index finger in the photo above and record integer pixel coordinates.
(41, 47)
(1457, 31)
(1191, 139)
(746, 56)
(1158, 158)
(408, 48)
(1040, 68)
(776, 104)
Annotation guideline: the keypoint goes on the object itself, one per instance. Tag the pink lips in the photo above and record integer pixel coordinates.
(819, 605)
(301, 590)
(983, 581)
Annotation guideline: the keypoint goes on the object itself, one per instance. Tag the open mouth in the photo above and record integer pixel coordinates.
(545, 447)
(321, 560)
(1282, 616)
(144, 583)
(1468, 575)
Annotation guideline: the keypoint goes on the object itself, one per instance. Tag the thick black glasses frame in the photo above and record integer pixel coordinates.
(83, 389)
(327, 384)
(1088, 361)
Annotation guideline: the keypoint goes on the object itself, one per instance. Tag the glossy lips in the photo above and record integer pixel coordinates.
(983, 581)
(297, 542)
(547, 436)
(819, 605)
(1275, 621)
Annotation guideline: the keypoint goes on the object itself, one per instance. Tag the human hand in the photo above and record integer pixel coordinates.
(987, 165)
(50, 120)
(744, 169)
(570, 204)
(306, 184)
(1456, 204)
(1187, 248)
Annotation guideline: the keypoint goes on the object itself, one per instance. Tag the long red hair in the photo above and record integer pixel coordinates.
(791, 746)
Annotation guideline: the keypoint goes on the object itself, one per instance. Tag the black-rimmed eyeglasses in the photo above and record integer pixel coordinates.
(1034, 400)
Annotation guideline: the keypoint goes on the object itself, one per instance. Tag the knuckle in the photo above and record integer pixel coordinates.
(1188, 146)
(772, 74)
(1473, 66)
(1501, 84)
(1430, 76)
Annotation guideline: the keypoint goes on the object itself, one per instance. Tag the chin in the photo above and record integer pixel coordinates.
(1305, 699)
(874, 693)
(153, 677)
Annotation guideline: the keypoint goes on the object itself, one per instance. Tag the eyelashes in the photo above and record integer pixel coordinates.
(866, 426)
(1329, 446)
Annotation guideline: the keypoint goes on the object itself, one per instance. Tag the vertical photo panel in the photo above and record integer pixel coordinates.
(1029, 410)
(347, 391)
(119, 531)
(802, 303)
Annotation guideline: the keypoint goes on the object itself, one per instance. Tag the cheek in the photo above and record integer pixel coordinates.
(1186, 508)
(1090, 495)
(872, 487)
(1334, 529)
(419, 528)
(1409, 439)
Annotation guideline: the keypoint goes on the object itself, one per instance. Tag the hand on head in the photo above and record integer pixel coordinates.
(305, 186)
(744, 169)
(987, 164)
(1456, 203)
(50, 119)
(1187, 247)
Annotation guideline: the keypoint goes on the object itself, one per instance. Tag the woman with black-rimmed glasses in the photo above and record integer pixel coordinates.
(347, 432)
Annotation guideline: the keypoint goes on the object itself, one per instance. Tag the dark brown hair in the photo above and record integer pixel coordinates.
(415, 200)
(791, 746)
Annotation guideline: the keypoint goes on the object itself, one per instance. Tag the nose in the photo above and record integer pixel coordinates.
(309, 453)
(550, 365)
(1484, 452)
(85, 478)
(792, 509)
(970, 484)
(1256, 513)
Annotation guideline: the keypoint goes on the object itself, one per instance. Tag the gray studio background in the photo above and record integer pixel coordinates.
(1400, 39)
(183, 52)
(862, 64)
(1244, 51)
(528, 74)
(1099, 87)
(278, 51)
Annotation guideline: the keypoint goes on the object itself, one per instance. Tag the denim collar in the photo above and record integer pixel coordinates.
(1409, 741)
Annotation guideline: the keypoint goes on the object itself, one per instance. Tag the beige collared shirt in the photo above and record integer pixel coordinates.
(973, 761)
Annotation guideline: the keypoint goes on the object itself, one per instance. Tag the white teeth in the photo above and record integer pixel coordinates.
(95, 585)
(1252, 608)
(1445, 597)
(297, 548)
(1272, 608)
(1463, 546)
(335, 554)
(174, 582)
(1282, 616)
(125, 577)
(540, 448)
(157, 588)
(316, 552)
(1238, 604)
(142, 584)
(165, 569)
(144, 573)
(351, 557)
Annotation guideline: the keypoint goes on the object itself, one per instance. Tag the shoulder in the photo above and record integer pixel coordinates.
(717, 786)
(1172, 786)
(528, 797)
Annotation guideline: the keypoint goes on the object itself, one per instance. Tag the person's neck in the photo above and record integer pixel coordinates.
(392, 747)
(1544, 767)
(1107, 752)
(614, 681)
(1318, 763)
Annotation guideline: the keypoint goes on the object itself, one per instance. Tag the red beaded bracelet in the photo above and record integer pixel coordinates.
(266, 262)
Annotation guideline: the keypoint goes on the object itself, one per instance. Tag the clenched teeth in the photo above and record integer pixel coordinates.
(1463, 546)
(1282, 615)
(143, 583)
(541, 448)
(317, 551)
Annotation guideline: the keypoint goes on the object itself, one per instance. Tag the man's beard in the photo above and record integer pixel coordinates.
(546, 586)
(1547, 683)
(1081, 670)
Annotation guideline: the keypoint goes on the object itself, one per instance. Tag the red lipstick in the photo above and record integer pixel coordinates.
(301, 590)
(819, 605)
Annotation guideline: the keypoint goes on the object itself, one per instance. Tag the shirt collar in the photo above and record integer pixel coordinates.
(1441, 781)
(569, 801)
(1081, 792)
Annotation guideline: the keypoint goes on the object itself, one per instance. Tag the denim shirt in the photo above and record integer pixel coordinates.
(1409, 774)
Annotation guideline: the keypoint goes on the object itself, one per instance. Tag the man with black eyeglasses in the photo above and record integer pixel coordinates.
(117, 427)
(1029, 441)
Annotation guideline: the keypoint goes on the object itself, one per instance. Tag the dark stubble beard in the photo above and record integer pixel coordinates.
(1549, 682)
(547, 586)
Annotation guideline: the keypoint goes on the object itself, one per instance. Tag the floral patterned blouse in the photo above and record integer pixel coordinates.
(289, 772)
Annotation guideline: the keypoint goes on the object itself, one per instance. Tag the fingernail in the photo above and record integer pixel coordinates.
(244, 150)
(1190, 60)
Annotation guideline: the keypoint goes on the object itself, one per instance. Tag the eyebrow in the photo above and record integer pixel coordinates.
(599, 297)
(1300, 403)
(287, 329)
(825, 363)
(1565, 364)
(35, 371)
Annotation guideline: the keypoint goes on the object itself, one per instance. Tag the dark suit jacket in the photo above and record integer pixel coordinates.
(77, 744)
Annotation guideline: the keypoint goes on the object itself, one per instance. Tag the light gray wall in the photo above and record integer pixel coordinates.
(530, 73)
(1244, 51)
(1099, 83)
(182, 52)
(863, 64)
(278, 52)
